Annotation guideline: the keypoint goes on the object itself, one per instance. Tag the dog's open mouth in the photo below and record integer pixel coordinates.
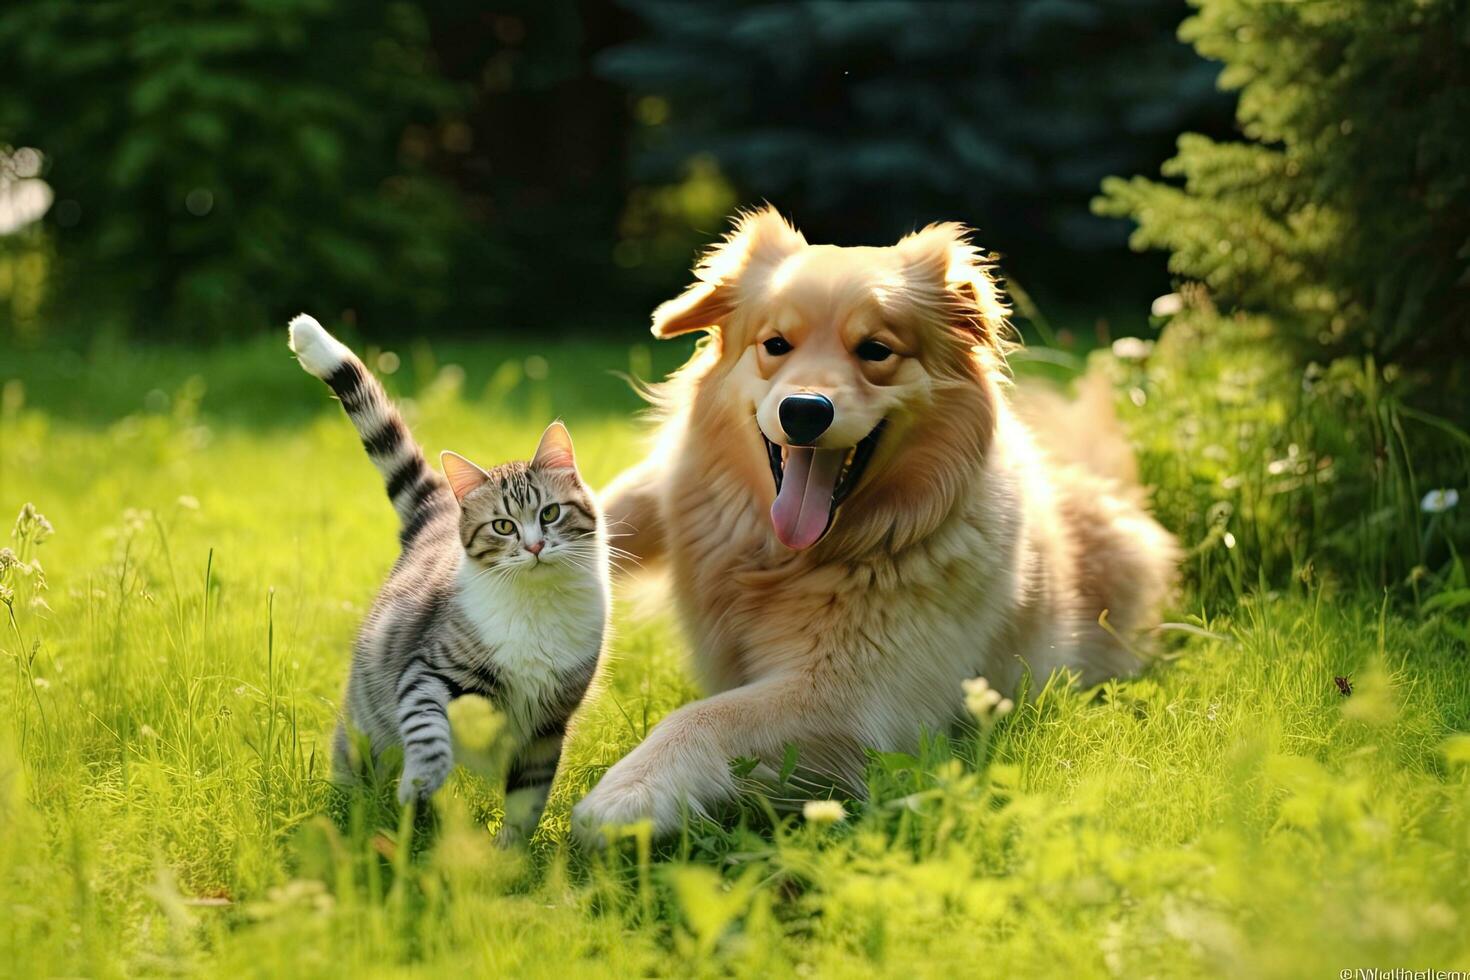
(811, 484)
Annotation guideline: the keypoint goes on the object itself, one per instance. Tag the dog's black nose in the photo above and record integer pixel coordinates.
(805, 416)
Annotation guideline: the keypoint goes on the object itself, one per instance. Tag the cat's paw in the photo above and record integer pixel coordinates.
(421, 779)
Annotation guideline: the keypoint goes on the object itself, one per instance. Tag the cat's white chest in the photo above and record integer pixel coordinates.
(535, 631)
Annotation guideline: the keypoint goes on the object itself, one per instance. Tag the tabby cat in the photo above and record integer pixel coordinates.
(501, 590)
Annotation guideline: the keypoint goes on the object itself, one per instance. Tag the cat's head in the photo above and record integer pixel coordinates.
(526, 516)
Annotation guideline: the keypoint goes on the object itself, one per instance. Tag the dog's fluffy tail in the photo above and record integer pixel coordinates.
(1082, 430)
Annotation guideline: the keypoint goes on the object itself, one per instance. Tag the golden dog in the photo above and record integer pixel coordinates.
(856, 520)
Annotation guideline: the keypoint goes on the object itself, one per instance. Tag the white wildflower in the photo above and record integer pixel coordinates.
(1167, 304)
(983, 701)
(823, 812)
(1439, 501)
(189, 503)
(42, 683)
(1132, 348)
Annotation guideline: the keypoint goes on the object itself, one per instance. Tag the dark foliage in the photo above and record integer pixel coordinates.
(1345, 214)
(866, 120)
(217, 165)
(538, 157)
(434, 166)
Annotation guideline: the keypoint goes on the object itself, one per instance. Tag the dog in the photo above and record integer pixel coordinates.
(856, 519)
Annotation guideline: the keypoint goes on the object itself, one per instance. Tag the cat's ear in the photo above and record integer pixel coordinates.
(463, 475)
(555, 450)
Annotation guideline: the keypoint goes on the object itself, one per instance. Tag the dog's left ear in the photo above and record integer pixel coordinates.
(700, 307)
(758, 243)
(942, 257)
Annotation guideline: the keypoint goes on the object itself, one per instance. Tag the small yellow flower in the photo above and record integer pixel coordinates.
(975, 685)
(823, 812)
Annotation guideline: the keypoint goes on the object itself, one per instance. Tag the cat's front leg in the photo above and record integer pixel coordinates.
(685, 761)
(528, 783)
(423, 726)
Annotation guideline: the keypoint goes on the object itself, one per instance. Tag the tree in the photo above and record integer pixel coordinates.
(218, 166)
(1345, 212)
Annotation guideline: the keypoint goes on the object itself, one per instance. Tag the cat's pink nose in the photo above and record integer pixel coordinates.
(535, 547)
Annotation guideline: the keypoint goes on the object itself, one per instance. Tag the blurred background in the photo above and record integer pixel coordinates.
(198, 170)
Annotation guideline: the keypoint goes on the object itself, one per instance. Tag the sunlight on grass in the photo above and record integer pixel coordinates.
(173, 688)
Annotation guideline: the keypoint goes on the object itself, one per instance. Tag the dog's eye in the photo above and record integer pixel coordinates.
(871, 350)
(776, 346)
(504, 526)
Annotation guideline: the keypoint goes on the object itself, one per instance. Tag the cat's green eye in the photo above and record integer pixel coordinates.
(504, 526)
(550, 513)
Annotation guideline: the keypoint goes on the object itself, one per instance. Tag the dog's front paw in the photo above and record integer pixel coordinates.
(421, 779)
(653, 785)
(618, 800)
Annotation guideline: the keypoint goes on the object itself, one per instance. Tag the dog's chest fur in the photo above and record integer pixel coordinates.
(897, 632)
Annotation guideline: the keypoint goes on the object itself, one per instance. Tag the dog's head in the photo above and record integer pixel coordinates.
(839, 353)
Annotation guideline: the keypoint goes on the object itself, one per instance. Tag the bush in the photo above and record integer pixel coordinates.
(1278, 475)
(219, 166)
(1345, 213)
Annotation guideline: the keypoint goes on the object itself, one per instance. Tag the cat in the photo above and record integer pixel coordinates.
(500, 589)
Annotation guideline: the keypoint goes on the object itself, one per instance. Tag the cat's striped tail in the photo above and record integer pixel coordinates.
(419, 494)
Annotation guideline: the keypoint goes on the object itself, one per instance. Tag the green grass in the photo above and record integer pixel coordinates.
(218, 534)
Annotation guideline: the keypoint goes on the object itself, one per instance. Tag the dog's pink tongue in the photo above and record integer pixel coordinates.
(804, 505)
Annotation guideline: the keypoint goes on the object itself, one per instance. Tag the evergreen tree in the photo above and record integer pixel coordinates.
(867, 119)
(1345, 213)
(218, 166)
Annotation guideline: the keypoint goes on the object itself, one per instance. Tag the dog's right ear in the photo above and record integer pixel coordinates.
(759, 241)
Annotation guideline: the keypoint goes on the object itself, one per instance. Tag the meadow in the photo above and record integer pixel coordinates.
(212, 535)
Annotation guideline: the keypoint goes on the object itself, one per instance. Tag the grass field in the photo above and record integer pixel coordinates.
(164, 807)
